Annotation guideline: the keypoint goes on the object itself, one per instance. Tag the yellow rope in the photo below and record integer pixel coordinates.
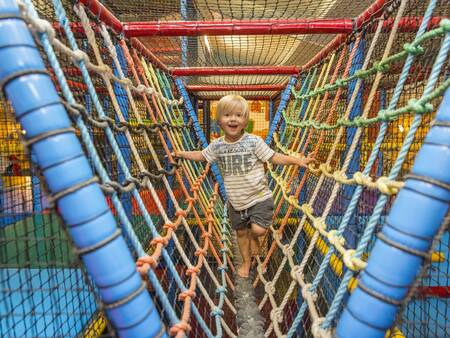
(383, 183)
(319, 224)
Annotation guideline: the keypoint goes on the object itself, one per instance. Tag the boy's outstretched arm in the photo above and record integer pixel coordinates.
(191, 155)
(282, 159)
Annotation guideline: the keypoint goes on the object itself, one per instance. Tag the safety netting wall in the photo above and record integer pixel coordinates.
(114, 120)
(128, 119)
(364, 112)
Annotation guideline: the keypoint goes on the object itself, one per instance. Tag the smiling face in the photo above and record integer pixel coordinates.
(232, 116)
(233, 124)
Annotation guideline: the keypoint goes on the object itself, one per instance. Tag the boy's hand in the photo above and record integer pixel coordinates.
(311, 157)
(303, 162)
(175, 155)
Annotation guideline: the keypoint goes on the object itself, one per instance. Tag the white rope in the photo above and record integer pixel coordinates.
(92, 41)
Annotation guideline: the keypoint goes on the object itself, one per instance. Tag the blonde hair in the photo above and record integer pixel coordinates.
(230, 103)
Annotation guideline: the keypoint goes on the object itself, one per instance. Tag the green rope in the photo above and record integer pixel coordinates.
(382, 66)
(420, 106)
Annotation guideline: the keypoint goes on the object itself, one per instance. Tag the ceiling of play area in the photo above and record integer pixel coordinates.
(235, 50)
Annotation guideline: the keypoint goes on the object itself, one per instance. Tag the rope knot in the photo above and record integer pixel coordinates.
(317, 330)
(179, 327)
(221, 289)
(359, 121)
(79, 55)
(419, 107)
(352, 262)
(159, 240)
(445, 25)
(307, 293)
(359, 73)
(206, 235)
(190, 199)
(319, 224)
(296, 273)
(187, 293)
(335, 238)
(181, 212)
(223, 267)
(381, 67)
(170, 225)
(307, 209)
(144, 263)
(386, 186)
(269, 288)
(411, 49)
(383, 115)
(192, 270)
(216, 312)
(200, 252)
(359, 178)
(276, 315)
(288, 250)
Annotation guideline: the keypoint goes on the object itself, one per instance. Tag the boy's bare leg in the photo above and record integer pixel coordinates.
(255, 233)
(243, 241)
(254, 245)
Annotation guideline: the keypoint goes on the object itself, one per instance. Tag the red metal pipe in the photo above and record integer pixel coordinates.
(238, 27)
(103, 14)
(224, 88)
(262, 70)
(247, 97)
(434, 291)
(411, 24)
(135, 43)
(166, 50)
(373, 11)
(109, 19)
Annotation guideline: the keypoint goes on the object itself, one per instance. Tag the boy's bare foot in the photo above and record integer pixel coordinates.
(244, 270)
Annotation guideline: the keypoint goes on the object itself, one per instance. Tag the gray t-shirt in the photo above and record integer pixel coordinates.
(242, 168)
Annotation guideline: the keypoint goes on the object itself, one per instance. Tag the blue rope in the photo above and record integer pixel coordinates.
(373, 221)
(368, 233)
(60, 12)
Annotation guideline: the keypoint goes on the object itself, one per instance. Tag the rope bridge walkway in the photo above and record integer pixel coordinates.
(103, 232)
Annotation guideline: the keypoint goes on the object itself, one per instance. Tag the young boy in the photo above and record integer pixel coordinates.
(240, 157)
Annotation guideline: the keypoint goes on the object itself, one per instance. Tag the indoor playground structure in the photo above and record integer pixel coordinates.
(104, 233)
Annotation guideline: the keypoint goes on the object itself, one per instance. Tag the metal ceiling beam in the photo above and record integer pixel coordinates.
(374, 11)
(238, 27)
(247, 97)
(253, 70)
(224, 88)
(105, 16)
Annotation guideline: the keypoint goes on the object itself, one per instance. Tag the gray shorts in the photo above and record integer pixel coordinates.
(261, 214)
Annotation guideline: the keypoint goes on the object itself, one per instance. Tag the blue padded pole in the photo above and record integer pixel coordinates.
(270, 111)
(283, 102)
(68, 174)
(416, 217)
(198, 130)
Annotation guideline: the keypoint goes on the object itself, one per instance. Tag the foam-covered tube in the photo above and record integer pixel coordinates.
(69, 177)
(406, 237)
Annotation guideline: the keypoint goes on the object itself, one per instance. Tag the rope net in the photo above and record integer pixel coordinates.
(364, 111)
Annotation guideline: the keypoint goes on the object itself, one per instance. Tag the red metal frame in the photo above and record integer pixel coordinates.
(253, 27)
(103, 14)
(219, 88)
(373, 11)
(238, 27)
(247, 97)
(261, 70)
(110, 20)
